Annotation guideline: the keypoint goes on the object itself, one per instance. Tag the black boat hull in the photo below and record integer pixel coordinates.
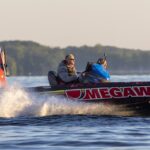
(129, 96)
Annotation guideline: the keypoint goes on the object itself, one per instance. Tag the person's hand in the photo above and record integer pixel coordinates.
(105, 65)
(83, 74)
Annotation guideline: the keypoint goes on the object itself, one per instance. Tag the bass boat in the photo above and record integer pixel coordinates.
(130, 96)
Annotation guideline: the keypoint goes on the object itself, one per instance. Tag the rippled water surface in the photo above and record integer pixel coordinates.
(33, 121)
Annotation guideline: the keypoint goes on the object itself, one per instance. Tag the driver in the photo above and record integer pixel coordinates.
(96, 72)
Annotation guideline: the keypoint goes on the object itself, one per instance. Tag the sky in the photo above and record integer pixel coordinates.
(62, 23)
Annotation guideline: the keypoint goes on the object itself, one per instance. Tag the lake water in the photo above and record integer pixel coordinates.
(33, 121)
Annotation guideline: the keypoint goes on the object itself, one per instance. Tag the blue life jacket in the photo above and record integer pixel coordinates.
(100, 71)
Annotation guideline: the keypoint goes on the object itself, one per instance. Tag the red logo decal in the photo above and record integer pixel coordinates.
(75, 94)
(108, 92)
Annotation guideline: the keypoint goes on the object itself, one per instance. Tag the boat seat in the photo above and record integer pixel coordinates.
(52, 78)
(88, 67)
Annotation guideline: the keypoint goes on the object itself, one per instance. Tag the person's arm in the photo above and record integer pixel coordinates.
(105, 74)
(101, 71)
(63, 74)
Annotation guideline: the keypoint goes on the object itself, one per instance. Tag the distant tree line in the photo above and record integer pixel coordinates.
(30, 58)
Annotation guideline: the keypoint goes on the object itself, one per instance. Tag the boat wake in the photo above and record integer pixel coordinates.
(16, 102)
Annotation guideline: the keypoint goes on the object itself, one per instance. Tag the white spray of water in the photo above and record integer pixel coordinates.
(14, 102)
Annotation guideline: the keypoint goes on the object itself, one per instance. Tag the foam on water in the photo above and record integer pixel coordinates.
(15, 101)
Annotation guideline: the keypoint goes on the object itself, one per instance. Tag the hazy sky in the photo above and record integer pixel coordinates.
(122, 23)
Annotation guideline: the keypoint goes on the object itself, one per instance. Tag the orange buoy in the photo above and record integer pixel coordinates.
(2, 78)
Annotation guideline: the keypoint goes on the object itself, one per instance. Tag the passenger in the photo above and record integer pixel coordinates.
(96, 72)
(66, 70)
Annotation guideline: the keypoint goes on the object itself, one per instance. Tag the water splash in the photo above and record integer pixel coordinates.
(15, 101)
